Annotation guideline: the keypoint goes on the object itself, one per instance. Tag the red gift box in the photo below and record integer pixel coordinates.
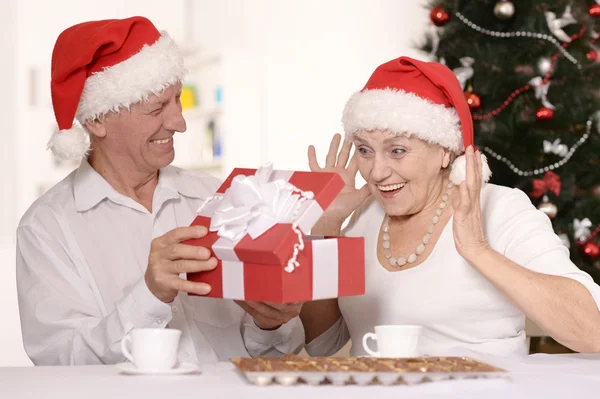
(279, 263)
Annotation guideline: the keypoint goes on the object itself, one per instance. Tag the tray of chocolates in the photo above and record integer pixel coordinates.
(292, 370)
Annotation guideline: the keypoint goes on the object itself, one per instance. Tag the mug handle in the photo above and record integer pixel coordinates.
(126, 352)
(366, 345)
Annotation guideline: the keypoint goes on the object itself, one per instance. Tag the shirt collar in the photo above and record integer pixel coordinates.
(90, 188)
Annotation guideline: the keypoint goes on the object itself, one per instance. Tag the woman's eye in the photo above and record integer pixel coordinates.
(363, 151)
(398, 151)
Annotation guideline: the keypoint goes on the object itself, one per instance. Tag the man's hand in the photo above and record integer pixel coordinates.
(169, 258)
(269, 316)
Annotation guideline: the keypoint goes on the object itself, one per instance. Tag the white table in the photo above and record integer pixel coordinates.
(537, 376)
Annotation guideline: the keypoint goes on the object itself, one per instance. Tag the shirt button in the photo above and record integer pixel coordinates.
(186, 355)
(159, 321)
(174, 309)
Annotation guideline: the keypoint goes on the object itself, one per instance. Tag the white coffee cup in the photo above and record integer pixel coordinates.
(394, 341)
(152, 349)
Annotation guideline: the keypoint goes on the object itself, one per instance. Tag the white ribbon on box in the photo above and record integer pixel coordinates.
(325, 269)
(253, 204)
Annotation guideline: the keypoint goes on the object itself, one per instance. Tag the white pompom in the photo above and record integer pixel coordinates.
(459, 170)
(71, 143)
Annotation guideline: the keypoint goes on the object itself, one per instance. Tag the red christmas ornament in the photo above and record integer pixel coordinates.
(594, 10)
(544, 114)
(439, 16)
(473, 100)
(592, 55)
(591, 250)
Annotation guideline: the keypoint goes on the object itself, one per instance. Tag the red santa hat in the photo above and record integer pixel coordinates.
(103, 66)
(422, 99)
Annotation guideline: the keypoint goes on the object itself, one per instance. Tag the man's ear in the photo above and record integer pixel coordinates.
(96, 127)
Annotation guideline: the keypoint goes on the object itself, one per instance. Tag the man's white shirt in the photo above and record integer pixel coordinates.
(82, 252)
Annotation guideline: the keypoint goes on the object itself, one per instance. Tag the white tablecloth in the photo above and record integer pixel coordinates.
(536, 376)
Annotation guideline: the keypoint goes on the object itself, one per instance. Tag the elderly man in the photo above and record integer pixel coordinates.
(101, 253)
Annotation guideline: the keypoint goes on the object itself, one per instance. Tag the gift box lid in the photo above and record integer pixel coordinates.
(261, 215)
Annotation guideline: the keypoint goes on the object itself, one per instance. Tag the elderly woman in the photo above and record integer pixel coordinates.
(466, 260)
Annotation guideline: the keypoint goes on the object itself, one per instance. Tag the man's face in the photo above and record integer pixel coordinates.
(143, 135)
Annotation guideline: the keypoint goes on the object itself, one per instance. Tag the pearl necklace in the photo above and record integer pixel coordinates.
(412, 258)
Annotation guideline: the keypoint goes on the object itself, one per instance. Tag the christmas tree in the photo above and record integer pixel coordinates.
(531, 74)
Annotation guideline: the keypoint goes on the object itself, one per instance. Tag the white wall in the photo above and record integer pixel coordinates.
(318, 56)
(314, 54)
(8, 49)
(11, 344)
(11, 352)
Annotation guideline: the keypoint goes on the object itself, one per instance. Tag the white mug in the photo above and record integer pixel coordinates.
(394, 341)
(152, 349)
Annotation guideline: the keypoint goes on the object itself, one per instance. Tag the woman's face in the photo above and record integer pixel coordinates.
(404, 173)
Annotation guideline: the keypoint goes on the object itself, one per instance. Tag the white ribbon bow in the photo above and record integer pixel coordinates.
(581, 229)
(556, 148)
(541, 90)
(556, 24)
(253, 204)
(465, 72)
(565, 240)
(433, 32)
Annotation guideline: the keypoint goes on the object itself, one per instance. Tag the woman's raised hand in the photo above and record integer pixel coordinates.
(350, 197)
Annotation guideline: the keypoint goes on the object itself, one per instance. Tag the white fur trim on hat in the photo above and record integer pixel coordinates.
(70, 143)
(152, 70)
(459, 170)
(401, 112)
